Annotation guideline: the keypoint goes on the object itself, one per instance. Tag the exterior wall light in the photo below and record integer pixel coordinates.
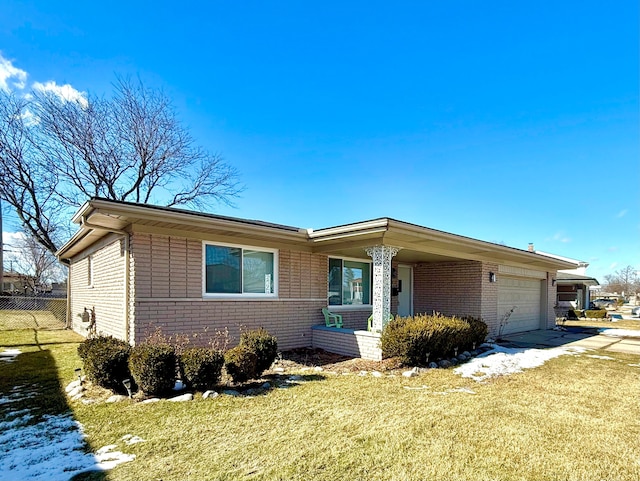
(492, 277)
(553, 282)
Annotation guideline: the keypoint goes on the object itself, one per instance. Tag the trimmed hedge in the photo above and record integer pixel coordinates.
(241, 363)
(153, 367)
(575, 314)
(264, 345)
(419, 339)
(105, 360)
(201, 367)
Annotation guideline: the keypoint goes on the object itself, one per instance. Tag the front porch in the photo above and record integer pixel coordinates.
(348, 342)
(386, 268)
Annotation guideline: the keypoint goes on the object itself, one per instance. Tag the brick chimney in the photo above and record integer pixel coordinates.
(531, 249)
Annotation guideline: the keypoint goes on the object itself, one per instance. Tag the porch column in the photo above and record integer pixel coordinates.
(381, 256)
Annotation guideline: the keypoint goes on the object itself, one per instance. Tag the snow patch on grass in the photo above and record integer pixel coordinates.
(9, 355)
(502, 361)
(51, 449)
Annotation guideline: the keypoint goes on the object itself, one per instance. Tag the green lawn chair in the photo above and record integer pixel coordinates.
(370, 321)
(331, 320)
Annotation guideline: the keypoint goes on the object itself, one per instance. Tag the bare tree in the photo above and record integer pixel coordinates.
(25, 182)
(624, 280)
(38, 267)
(56, 152)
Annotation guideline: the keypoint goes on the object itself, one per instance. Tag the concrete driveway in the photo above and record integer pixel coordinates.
(588, 338)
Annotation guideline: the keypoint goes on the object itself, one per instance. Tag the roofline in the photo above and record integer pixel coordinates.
(383, 224)
(571, 277)
(97, 202)
(577, 262)
(170, 214)
(371, 228)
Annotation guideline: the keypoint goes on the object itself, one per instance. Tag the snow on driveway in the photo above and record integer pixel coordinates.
(500, 361)
(51, 449)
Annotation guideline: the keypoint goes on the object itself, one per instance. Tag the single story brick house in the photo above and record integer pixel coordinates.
(144, 267)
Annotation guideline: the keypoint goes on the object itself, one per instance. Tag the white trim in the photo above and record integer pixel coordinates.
(241, 295)
(411, 273)
(217, 299)
(351, 306)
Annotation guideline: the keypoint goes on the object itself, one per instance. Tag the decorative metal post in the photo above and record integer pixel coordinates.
(381, 256)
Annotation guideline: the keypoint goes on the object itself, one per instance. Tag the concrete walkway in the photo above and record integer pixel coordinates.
(588, 338)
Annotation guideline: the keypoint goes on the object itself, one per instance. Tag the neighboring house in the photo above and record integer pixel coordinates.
(574, 287)
(575, 290)
(15, 283)
(188, 273)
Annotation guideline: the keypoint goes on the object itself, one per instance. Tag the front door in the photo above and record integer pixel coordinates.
(405, 291)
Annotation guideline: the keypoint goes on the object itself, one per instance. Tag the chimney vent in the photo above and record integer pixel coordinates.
(531, 249)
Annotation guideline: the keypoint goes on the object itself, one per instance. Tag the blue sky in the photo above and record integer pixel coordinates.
(510, 122)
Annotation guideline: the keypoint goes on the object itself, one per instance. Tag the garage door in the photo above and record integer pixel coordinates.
(525, 295)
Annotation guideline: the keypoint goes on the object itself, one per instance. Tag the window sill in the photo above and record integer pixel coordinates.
(241, 297)
(357, 307)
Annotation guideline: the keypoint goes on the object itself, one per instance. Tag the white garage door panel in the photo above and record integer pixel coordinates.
(525, 294)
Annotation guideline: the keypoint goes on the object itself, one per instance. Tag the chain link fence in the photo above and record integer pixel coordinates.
(21, 312)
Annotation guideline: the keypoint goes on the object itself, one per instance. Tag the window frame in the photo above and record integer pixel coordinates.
(240, 295)
(339, 307)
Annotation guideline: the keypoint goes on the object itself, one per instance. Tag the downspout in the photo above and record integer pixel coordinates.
(67, 320)
(125, 235)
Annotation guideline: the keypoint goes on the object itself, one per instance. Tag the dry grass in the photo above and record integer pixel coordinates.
(25, 319)
(573, 418)
(622, 324)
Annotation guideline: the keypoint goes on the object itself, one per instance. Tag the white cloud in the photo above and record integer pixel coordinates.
(12, 238)
(64, 92)
(613, 266)
(622, 213)
(561, 237)
(11, 76)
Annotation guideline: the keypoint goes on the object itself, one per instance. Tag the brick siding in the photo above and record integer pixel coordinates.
(107, 291)
(450, 288)
(551, 301)
(348, 342)
(168, 288)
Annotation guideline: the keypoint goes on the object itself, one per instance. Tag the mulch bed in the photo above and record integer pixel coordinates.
(299, 359)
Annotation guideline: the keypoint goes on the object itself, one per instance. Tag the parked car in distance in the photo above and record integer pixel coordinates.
(635, 312)
(604, 303)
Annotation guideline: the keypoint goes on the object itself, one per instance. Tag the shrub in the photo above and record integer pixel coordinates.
(105, 361)
(264, 345)
(478, 332)
(201, 367)
(596, 314)
(417, 339)
(241, 363)
(153, 367)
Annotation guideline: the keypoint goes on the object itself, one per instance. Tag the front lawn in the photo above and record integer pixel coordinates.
(572, 418)
(605, 324)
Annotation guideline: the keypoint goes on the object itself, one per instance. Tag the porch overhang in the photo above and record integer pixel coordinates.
(422, 244)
